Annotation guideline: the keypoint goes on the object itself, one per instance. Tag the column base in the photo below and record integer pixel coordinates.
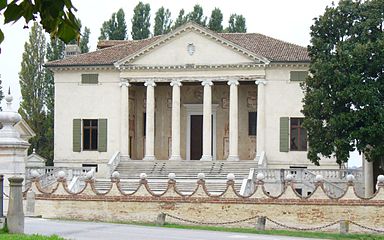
(233, 158)
(175, 158)
(206, 158)
(125, 158)
(149, 158)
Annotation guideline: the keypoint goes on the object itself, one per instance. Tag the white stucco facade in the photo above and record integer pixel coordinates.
(190, 56)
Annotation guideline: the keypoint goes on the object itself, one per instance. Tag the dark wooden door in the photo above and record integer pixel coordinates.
(196, 137)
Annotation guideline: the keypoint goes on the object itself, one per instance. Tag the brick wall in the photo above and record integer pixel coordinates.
(143, 205)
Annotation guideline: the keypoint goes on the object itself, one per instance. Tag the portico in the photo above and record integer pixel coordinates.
(189, 117)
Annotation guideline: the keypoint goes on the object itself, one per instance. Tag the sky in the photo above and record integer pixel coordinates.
(282, 19)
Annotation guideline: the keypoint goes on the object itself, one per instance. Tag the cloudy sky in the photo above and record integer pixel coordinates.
(282, 19)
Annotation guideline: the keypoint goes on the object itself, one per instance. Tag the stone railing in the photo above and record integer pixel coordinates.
(113, 163)
(49, 175)
(144, 205)
(262, 161)
(333, 179)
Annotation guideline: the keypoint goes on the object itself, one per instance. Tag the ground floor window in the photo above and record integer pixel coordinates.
(298, 135)
(90, 134)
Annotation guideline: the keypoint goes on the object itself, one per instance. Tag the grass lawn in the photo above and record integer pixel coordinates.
(7, 236)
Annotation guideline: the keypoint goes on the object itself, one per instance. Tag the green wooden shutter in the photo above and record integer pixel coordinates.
(102, 138)
(284, 134)
(89, 78)
(76, 134)
(298, 75)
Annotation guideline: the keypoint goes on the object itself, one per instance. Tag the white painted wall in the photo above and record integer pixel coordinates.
(283, 98)
(85, 101)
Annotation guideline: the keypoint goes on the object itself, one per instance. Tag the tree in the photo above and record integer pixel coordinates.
(236, 24)
(197, 15)
(34, 90)
(84, 40)
(180, 20)
(56, 17)
(163, 22)
(115, 28)
(343, 103)
(216, 20)
(140, 21)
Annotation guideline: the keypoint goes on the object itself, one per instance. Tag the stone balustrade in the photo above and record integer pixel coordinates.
(144, 205)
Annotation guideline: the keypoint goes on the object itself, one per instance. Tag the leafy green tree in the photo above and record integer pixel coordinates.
(236, 24)
(180, 20)
(84, 40)
(343, 103)
(197, 15)
(56, 17)
(216, 20)
(140, 21)
(34, 90)
(115, 28)
(163, 22)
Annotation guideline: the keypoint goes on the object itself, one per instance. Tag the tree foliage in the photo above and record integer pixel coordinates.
(343, 103)
(163, 22)
(141, 21)
(216, 20)
(197, 15)
(236, 24)
(56, 17)
(180, 20)
(34, 91)
(84, 40)
(115, 28)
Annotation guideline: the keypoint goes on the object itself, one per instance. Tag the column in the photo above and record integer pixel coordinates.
(175, 155)
(124, 118)
(207, 121)
(150, 121)
(260, 127)
(368, 177)
(233, 121)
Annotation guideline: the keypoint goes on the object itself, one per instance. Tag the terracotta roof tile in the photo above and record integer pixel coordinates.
(270, 48)
(114, 50)
(105, 56)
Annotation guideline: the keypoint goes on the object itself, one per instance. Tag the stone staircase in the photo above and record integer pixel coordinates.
(186, 174)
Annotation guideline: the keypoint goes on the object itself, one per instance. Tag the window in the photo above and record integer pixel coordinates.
(298, 75)
(298, 135)
(90, 166)
(89, 78)
(252, 118)
(90, 134)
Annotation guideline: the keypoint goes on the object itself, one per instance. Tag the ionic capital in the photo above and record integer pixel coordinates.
(233, 81)
(124, 83)
(207, 82)
(175, 83)
(261, 81)
(150, 83)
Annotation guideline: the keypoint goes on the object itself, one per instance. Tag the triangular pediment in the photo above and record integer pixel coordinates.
(191, 44)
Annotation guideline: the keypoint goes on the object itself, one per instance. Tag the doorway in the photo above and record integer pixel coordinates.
(196, 147)
(194, 138)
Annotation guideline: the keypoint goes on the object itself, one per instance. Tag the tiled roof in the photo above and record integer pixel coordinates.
(114, 50)
(273, 49)
(105, 56)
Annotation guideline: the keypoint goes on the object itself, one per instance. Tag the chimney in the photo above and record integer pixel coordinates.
(71, 50)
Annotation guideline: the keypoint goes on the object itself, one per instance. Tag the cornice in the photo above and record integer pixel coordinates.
(192, 67)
